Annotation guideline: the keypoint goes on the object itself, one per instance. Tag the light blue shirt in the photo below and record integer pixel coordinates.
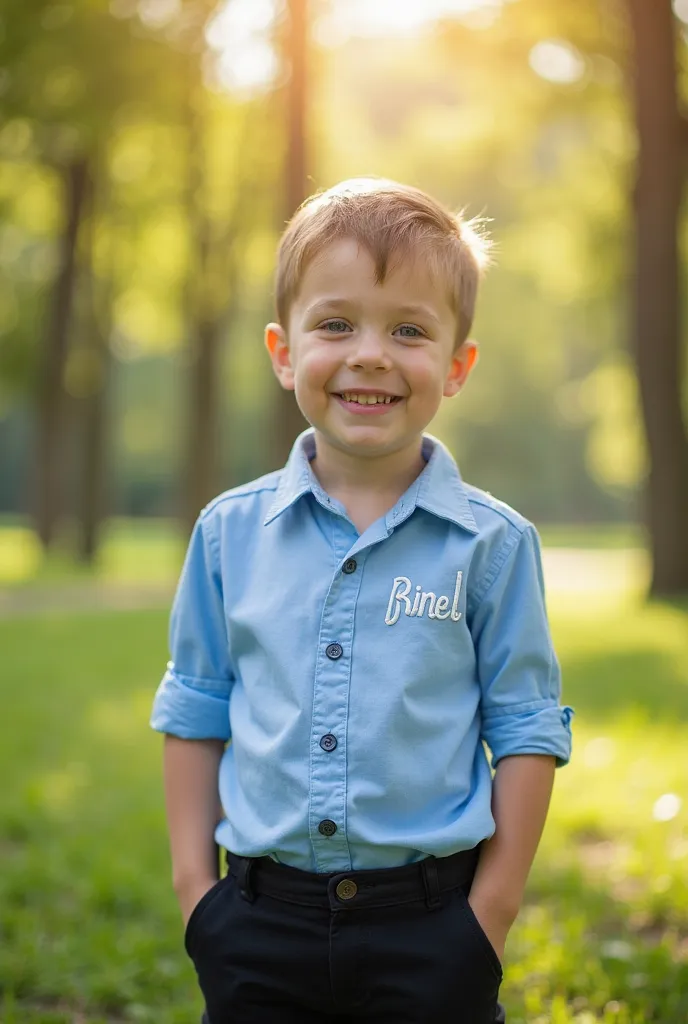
(356, 676)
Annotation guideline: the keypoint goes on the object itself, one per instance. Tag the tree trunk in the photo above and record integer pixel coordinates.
(94, 408)
(211, 293)
(50, 442)
(203, 405)
(202, 455)
(288, 416)
(296, 42)
(94, 390)
(656, 294)
(94, 423)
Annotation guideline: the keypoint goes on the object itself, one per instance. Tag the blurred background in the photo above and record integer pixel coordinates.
(151, 152)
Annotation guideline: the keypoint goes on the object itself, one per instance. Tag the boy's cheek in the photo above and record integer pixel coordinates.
(314, 373)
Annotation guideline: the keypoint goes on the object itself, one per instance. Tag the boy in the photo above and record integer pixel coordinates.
(357, 624)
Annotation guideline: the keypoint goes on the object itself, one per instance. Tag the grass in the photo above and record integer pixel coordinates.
(89, 929)
(88, 922)
(132, 551)
(598, 536)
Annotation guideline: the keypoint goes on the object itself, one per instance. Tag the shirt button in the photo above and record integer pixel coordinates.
(328, 741)
(346, 889)
(327, 827)
(334, 651)
(350, 565)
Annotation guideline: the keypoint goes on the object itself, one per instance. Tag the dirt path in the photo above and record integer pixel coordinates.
(82, 597)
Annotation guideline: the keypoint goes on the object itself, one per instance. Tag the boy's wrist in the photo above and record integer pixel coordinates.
(494, 890)
(500, 907)
(192, 879)
(495, 920)
(191, 891)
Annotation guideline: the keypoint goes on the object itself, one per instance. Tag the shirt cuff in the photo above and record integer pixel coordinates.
(181, 708)
(540, 728)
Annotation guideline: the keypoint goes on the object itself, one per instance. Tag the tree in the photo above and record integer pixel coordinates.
(69, 71)
(95, 375)
(657, 342)
(211, 293)
(649, 53)
(290, 421)
(51, 398)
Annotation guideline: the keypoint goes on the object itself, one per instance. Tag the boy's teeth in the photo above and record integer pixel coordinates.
(352, 396)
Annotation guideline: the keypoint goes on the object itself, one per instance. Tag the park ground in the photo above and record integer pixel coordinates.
(89, 929)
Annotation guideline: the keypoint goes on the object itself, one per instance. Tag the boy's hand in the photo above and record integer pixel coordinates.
(494, 922)
(190, 895)
(521, 791)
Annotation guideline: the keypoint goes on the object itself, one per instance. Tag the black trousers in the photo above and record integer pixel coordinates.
(275, 945)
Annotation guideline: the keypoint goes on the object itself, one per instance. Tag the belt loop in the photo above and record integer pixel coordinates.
(244, 878)
(431, 882)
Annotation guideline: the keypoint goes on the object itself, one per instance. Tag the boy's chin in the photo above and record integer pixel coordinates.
(364, 441)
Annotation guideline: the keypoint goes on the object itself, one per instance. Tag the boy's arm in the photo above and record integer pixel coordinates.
(191, 709)
(522, 787)
(523, 724)
(193, 810)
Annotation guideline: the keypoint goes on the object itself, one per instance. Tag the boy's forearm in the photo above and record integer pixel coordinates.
(522, 788)
(193, 808)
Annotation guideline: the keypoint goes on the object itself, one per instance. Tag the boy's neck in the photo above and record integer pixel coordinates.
(386, 477)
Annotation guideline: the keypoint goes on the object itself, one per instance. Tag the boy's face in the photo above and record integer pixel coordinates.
(349, 339)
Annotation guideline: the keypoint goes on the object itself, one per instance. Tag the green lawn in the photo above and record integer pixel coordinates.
(132, 550)
(89, 929)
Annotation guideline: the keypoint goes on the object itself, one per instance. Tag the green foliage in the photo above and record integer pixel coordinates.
(189, 206)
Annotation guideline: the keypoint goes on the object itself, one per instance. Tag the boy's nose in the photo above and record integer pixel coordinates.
(370, 350)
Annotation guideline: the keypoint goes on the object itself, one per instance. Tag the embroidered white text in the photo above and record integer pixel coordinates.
(438, 607)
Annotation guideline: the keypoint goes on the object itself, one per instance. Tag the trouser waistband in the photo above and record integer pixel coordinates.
(354, 890)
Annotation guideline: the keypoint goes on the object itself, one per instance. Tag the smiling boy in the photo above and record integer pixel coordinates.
(357, 624)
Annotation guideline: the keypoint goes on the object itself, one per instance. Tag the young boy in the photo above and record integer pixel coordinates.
(357, 624)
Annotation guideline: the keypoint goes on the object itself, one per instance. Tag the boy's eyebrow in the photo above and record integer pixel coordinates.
(407, 310)
(326, 303)
(421, 311)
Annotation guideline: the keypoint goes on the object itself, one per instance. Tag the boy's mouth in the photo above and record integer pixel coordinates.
(356, 398)
(368, 404)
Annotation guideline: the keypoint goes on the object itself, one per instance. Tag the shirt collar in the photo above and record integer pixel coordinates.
(439, 489)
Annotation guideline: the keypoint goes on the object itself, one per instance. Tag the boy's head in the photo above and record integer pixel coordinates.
(376, 286)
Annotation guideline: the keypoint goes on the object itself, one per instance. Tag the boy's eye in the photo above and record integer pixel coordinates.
(335, 326)
(409, 331)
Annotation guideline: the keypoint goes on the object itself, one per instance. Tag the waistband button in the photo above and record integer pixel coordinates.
(346, 889)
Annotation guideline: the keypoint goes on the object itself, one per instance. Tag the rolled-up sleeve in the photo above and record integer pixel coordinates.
(192, 700)
(518, 670)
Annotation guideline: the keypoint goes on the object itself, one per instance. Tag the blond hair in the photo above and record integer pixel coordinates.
(391, 221)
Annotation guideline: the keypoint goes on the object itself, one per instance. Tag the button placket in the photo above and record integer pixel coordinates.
(328, 725)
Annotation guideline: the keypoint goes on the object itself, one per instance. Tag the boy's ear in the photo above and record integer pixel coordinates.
(280, 357)
(463, 361)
